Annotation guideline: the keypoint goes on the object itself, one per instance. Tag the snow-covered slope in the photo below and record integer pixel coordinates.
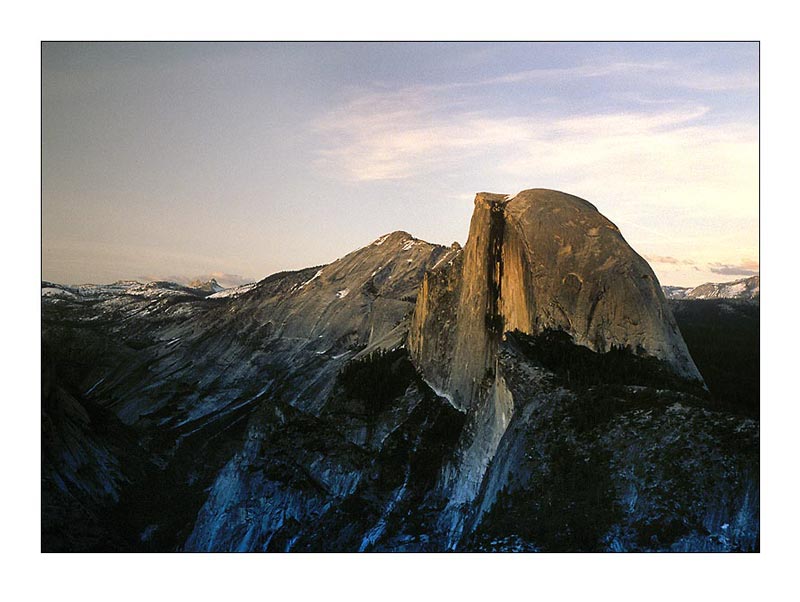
(744, 288)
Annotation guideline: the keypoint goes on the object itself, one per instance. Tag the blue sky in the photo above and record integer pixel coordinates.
(187, 159)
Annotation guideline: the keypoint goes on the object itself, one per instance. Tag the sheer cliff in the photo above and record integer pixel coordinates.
(540, 260)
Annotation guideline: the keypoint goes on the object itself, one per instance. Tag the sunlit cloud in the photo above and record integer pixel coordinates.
(746, 268)
(669, 172)
(669, 154)
(668, 260)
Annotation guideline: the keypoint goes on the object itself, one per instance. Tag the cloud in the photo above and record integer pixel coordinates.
(385, 136)
(678, 176)
(667, 259)
(750, 264)
(746, 268)
(382, 134)
(671, 153)
(668, 73)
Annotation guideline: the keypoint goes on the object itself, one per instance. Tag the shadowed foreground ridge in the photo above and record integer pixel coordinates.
(530, 391)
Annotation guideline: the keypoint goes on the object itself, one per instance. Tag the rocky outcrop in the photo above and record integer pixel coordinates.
(541, 260)
(209, 286)
(190, 374)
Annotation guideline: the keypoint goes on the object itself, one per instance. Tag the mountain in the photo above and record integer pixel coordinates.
(675, 292)
(222, 279)
(530, 391)
(744, 288)
(209, 286)
(129, 288)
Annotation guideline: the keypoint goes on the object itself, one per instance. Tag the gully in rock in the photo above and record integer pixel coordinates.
(494, 267)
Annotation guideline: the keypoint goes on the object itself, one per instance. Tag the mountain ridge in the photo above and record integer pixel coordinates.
(748, 288)
(406, 396)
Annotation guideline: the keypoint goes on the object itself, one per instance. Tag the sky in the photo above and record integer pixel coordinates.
(169, 161)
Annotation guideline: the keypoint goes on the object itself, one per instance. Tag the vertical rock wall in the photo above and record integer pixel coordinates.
(540, 260)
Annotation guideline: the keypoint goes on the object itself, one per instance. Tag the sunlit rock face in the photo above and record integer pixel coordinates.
(541, 260)
(569, 268)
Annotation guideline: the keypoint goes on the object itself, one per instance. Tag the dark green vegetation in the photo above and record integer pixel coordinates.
(617, 454)
(579, 367)
(723, 337)
(377, 378)
(567, 507)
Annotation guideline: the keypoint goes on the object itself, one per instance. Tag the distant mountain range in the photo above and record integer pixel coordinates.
(148, 289)
(744, 288)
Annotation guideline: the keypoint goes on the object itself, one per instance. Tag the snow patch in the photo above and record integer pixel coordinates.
(447, 396)
(232, 292)
(94, 386)
(342, 293)
(735, 289)
(58, 292)
(310, 280)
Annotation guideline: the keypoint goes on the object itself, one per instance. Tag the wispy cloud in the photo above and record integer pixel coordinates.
(672, 151)
(668, 73)
(679, 176)
(386, 134)
(668, 260)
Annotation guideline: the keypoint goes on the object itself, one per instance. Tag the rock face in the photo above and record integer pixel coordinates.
(190, 376)
(209, 286)
(614, 467)
(542, 260)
